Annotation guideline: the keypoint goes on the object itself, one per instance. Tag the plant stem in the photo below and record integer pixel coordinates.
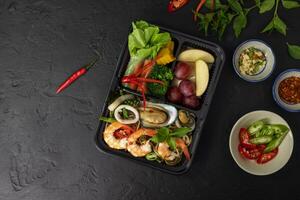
(276, 8)
(249, 9)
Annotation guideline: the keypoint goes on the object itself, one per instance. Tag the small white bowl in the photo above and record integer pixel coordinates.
(250, 166)
(285, 74)
(266, 71)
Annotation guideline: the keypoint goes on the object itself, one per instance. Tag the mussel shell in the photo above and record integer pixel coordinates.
(169, 110)
(191, 117)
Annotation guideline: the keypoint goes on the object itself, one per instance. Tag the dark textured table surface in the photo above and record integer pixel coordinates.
(47, 141)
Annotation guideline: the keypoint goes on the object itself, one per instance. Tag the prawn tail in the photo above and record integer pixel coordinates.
(182, 145)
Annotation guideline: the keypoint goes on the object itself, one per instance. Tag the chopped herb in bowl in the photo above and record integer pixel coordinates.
(252, 61)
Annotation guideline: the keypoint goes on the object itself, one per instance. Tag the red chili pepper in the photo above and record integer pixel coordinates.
(83, 70)
(139, 85)
(133, 78)
(139, 82)
(200, 5)
(176, 4)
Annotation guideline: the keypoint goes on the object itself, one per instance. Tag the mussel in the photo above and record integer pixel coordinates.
(157, 115)
(185, 119)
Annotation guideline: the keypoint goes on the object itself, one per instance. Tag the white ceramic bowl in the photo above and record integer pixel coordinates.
(266, 71)
(250, 166)
(285, 74)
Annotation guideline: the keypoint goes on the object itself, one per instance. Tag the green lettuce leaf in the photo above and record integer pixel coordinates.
(144, 42)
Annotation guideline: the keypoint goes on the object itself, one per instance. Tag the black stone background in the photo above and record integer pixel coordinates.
(47, 141)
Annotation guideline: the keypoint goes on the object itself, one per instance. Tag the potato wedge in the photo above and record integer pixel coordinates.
(202, 77)
(192, 55)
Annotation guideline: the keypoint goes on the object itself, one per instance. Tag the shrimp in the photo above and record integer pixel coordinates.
(116, 135)
(181, 144)
(137, 148)
(165, 153)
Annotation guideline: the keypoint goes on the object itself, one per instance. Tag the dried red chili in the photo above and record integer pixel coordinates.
(83, 70)
(289, 90)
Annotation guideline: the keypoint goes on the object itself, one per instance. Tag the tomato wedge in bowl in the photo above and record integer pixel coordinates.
(259, 159)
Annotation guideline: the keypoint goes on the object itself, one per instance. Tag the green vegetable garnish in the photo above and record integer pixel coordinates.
(144, 42)
(107, 119)
(125, 113)
(151, 156)
(294, 51)
(261, 140)
(276, 142)
(132, 102)
(162, 73)
(237, 12)
(165, 135)
(256, 127)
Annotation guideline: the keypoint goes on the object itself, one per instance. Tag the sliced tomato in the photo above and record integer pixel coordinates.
(244, 139)
(176, 4)
(249, 153)
(266, 157)
(261, 147)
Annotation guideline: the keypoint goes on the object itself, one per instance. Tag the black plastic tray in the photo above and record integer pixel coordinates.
(182, 41)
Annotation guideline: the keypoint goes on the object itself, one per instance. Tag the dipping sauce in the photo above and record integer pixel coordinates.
(252, 61)
(289, 90)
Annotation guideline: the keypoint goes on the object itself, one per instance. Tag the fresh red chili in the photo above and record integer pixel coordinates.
(83, 70)
(176, 4)
(130, 78)
(139, 82)
(200, 5)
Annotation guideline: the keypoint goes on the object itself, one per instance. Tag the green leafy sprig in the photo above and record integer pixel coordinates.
(164, 134)
(235, 12)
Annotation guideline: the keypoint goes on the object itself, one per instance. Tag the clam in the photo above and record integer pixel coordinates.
(157, 115)
(185, 119)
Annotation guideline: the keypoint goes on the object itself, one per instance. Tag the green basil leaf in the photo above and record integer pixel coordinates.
(225, 19)
(208, 18)
(215, 23)
(161, 135)
(279, 25)
(171, 142)
(290, 4)
(269, 27)
(294, 51)
(266, 5)
(204, 21)
(235, 5)
(218, 4)
(257, 2)
(239, 23)
(179, 132)
(107, 119)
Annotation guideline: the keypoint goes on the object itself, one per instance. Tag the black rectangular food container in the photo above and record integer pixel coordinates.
(182, 41)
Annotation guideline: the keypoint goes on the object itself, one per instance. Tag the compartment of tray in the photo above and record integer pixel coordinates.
(125, 62)
(181, 167)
